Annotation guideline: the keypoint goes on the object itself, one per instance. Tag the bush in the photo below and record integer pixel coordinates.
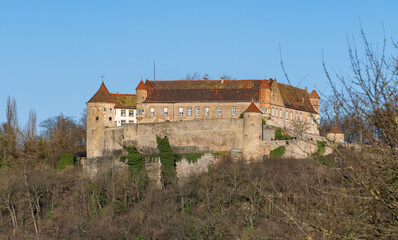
(277, 152)
(263, 121)
(280, 136)
(67, 159)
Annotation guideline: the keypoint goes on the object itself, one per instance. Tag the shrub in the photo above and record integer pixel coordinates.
(263, 121)
(277, 152)
(67, 159)
(280, 136)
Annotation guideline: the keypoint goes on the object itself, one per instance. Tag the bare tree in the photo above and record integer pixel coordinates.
(196, 76)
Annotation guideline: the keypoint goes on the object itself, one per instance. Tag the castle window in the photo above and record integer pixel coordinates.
(296, 116)
(189, 111)
(131, 113)
(123, 113)
(308, 119)
(123, 122)
(312, 121)
(280, 113)
(110, 111)
(165, 111)
(219, 111)
(234, 111)
(266, 110)
(181, 111)
(104, 109)
(143, 111)
(197, 111)
(291, 115)
(276, 112)
(207, 112)
(272, 110)
(300, 117)
(287, 115)
(110, 118)
(131, 121)
(152, 111)
(96, 118)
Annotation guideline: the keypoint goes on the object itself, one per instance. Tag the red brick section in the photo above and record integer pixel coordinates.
(265, 84)
(335, 129)
(253, 108)
(141, 86)
(121, 100)
(314, 94)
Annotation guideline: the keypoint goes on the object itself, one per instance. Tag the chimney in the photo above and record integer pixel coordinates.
(205, 79)
(222, 80)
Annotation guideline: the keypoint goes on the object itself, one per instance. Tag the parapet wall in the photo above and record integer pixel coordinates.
(213, 135)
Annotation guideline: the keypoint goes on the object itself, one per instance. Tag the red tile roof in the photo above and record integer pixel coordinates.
(295, 98)
(335, 129)
(203, 91)
(120, 100)
(253, 108)
(314, 94)
(102, 95)
(141, 86)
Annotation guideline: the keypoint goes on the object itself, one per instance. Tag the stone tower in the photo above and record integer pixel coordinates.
(315, 100)
(141, 92)
(100, 114)
(252, 133)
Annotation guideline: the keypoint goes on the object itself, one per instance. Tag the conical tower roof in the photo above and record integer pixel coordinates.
(102, 95)
(314, 94)
(336, 129)
(141, 86)
(253, 108)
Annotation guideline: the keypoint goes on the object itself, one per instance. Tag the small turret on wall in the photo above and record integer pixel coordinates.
(141, 92)
(315, 101)
(252, 133)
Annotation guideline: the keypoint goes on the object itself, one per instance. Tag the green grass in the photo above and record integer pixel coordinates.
(220, 154)
(321, 148)
(67, 159)
(277, 152)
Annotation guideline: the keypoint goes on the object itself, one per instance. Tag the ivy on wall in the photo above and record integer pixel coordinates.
(168, 159)
(136, 163)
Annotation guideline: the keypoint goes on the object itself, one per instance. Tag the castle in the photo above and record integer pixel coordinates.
(200, 115)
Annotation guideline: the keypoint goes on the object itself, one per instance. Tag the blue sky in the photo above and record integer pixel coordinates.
(52, 53)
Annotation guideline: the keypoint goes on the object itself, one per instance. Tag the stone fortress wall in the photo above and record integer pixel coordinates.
(246, 135)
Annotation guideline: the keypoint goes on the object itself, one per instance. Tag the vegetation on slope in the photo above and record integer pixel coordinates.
(277, 152)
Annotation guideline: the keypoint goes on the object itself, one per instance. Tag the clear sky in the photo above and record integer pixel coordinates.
(52, 53)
